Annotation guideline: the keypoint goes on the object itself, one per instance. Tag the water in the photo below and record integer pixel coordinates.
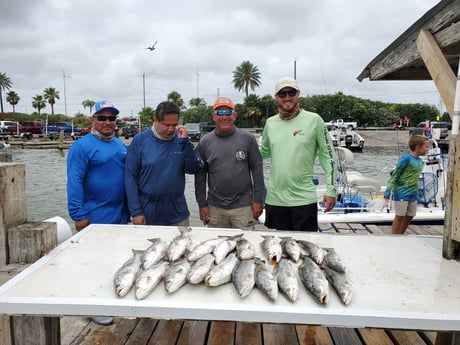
(46, 178)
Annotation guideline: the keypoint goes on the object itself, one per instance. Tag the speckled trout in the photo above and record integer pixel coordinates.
(154, 253)
(149, 279)
(314, 279)
(126, 275)
(176, 275)
(179, 245)
(243, 277)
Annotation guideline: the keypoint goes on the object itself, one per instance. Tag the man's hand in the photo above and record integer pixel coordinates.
(204, 215)
(328, 203)
(81, 224)
(139, 220)
(257, 208)
(182, 131)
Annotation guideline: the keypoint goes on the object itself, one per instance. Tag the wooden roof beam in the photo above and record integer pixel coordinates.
(439, 68)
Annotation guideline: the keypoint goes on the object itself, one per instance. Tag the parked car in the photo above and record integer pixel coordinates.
(132, 130)
(444, 130)
(194, 131)
(34, 127)
(207, 127)
(11, 127)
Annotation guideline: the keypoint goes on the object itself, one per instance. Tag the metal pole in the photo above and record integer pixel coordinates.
(143, 87)
(197, 84)
(65, 96)
(295, 68)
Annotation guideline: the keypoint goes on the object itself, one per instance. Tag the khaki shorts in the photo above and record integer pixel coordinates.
(185, 222)
(405, 208)
(237, 218)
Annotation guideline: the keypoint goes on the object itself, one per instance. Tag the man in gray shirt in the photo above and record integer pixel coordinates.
(233, 173)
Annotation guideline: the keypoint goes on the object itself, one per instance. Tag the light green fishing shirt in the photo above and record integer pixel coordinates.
(293, 146)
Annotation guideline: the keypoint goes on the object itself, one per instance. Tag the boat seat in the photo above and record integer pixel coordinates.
(365, 185)
(361, 185)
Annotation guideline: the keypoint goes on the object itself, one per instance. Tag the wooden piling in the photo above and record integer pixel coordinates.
(22, 242)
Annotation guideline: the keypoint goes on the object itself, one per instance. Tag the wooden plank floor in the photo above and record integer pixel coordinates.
(80, 330)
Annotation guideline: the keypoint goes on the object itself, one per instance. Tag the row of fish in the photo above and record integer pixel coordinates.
(232, 259)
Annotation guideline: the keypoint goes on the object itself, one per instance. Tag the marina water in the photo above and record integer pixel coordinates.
(46, 178)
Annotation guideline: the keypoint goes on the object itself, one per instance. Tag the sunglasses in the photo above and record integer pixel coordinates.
(291, 93)
(167, 126)
(223, 112)
(103, 118)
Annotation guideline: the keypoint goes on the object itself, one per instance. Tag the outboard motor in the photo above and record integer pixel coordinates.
(348, 140)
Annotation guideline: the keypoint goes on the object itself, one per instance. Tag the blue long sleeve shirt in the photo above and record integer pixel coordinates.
(155, 177)
(404, 180)
(95, 176)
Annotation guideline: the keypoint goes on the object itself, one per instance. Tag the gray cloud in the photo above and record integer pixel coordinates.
(100, 46)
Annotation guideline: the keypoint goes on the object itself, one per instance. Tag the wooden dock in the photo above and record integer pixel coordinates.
(142, 331)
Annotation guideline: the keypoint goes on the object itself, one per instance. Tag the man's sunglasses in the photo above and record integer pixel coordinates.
(103, 118)
(223, 112)
(291, 93)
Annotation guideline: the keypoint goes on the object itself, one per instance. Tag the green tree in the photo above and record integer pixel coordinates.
(146, 116)
(268, 107)
(88, 104)
(246, 76)
(13, 99)
(200, 113)
(195, 102)
(176, 98)
(38, 102)
(50, 95)
(5, 84)
(252, 109)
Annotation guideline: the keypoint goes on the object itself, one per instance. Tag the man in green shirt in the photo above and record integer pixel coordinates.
(293, 139)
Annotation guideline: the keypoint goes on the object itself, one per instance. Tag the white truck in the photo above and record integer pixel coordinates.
(343, 123)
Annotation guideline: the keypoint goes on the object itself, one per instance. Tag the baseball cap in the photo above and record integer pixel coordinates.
(286, 82)
(104, 105)
(223, 102)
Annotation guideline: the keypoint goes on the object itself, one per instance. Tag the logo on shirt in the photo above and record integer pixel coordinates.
(240, 156)
(298, 131)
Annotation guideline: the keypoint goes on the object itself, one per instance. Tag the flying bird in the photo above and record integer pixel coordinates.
(152, 47)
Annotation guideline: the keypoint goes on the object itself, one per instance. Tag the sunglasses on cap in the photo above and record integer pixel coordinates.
(291, 93)
(221, 112)
(103, 118)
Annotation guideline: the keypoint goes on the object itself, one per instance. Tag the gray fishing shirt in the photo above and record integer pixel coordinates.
(233, 170)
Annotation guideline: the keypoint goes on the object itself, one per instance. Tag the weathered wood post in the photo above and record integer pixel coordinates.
(13, 208)
(21, 243)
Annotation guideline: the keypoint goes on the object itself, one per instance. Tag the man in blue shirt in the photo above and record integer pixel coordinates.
(157, 161)
(95, 169)
(95, 176)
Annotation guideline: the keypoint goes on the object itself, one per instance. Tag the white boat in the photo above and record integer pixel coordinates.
(360, 198)
(347, 137)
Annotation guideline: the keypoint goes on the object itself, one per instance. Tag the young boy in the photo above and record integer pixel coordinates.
(404, 183)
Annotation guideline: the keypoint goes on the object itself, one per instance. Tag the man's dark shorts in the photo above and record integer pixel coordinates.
(299, 218)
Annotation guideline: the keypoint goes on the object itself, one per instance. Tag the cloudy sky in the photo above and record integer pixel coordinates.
(97, 48)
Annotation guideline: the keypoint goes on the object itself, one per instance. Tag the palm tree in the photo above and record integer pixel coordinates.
(246, 76)
(51, 95)
(268, 106)
(13, 99)
(88, 104)
(5, 84)
(251, 109)
(39, 103)
(176, 98)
